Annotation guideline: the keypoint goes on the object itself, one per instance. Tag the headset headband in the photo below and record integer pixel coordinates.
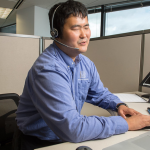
(54, 32)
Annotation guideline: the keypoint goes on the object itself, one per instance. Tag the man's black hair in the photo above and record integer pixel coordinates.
(66, 9)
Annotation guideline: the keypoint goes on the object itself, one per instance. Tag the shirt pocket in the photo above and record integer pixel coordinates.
(83, 87)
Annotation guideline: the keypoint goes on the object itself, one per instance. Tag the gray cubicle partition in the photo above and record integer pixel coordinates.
(46, 42)
(146, 62)
(17, 55)
(117, 61)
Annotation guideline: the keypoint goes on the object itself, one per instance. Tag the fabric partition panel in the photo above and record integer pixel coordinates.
(48, 42)
(90, 110)
(118, 62)
(146, 65)
(16, 58)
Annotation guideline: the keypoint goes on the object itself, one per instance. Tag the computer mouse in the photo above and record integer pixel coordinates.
(83, 148)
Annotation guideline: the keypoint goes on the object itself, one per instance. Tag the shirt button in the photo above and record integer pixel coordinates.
(72, 63)
(68, 66)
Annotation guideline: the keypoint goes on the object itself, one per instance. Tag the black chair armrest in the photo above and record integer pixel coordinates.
(13, 96)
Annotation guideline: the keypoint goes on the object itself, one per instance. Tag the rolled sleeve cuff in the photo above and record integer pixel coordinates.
(114, 104)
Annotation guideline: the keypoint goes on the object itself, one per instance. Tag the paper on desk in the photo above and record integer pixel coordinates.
(130, 98)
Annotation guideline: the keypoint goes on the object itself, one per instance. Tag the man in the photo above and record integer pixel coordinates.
(59, 83)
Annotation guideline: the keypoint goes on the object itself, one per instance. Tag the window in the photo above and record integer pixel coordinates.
(9, 29)
(95, 24)
(127, 20)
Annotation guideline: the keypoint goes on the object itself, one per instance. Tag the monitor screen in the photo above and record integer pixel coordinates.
(146, 81)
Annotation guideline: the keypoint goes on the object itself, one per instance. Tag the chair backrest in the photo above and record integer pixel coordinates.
(8, 106)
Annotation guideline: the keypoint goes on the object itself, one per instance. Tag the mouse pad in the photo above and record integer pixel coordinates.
(141, 142)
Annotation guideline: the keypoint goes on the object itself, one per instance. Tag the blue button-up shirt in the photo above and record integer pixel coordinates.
(55, 90)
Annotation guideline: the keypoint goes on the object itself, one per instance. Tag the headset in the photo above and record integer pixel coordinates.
(54, 32)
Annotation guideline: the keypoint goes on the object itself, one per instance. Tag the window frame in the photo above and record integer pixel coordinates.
(114, 7)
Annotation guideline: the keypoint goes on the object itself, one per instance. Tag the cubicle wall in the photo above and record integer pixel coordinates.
(146, 62)
(117, 61)
(46, 42)
(17, 55)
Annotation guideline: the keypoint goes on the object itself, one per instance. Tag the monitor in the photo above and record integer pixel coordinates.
(146, 81)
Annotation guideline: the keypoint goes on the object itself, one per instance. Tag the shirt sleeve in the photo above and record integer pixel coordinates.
(51, 95)
(99, 95)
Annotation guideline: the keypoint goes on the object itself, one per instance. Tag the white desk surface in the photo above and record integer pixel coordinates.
(103, 143)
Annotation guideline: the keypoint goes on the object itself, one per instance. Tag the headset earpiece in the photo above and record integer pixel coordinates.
(54, 33)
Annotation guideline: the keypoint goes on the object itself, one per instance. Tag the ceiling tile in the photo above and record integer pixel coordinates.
(7, 4)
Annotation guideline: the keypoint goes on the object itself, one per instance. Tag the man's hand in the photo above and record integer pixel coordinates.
(138, 121)
(123, 111)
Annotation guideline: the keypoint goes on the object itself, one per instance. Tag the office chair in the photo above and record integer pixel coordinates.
(8, 106)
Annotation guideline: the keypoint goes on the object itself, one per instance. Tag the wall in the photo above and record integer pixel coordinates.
(33, 21)
(25, 21)
(41, 22)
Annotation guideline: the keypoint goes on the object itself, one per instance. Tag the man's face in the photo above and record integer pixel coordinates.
(76, 33)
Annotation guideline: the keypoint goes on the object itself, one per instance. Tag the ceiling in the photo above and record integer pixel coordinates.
(47, 4)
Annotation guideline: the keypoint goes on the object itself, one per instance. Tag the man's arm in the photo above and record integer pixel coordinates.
(51, 95)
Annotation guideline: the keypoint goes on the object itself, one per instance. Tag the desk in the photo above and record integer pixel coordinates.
(100, 144)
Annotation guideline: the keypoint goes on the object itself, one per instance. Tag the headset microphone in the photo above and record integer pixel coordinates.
(54, 32)
(63, 44)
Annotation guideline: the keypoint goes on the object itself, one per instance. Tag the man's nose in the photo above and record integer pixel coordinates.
(82, 33)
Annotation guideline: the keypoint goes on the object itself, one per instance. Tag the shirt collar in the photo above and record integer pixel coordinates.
(68, 60)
